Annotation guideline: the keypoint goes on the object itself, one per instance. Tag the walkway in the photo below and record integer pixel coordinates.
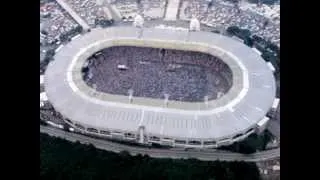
(172, 10)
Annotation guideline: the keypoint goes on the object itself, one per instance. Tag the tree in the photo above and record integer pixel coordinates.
(103, 22)
(42, 122)
(233, 1)
(248, 41)
(50, 52)
(124, 154)
(61, 159)
(245, 32)
(273, 48)
(78, 29)
(257, 38)
(272, 58)
(66, 36)
(44, 32)
(253, 1)
(233, 30)
(268, 2)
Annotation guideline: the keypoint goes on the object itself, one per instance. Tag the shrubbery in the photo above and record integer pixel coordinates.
(48, 57)
(103, 22)
(60, 159)
(243, 34)
(268, 2)
(69, 34)
(251, 144)
(270, 52)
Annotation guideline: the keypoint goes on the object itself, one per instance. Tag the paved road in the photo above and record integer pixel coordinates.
(172, 10)
(161, 153)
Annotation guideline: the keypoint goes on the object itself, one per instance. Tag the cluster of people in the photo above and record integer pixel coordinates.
(48, 113)
(54, 21)
(221, 15)
(150, 72)
(150, 9)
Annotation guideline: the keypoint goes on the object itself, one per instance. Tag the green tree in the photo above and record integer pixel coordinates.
(233, 30)
(60, 159)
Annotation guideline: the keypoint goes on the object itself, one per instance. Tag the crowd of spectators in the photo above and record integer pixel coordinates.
(48, 56)
(219, 14)
(222, 15)
(150, 72)
(128, 9)
(54, 21)
(88, 10)
(269, 51)
(153, 9)
(149, 9)
(47, 113)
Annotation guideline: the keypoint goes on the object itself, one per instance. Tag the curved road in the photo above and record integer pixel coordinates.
(161, 153)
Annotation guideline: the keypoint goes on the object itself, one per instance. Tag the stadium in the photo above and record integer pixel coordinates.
(156, 86)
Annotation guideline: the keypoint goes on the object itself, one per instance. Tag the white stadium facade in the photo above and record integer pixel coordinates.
(208, 124)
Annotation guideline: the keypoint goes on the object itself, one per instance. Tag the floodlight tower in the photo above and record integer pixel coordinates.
(138, 21)
(194, 24)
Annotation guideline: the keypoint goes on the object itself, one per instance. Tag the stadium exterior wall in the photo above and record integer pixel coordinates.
(231, 118)
(122, 136)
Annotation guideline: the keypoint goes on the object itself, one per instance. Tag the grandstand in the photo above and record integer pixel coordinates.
(150, 72)
(162, 116)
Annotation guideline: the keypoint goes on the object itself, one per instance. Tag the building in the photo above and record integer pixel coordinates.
(233, 117)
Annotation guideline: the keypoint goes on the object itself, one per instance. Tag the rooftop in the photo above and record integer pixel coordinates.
(238, 111)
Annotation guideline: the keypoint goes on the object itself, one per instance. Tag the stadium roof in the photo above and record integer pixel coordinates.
(237, 111)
